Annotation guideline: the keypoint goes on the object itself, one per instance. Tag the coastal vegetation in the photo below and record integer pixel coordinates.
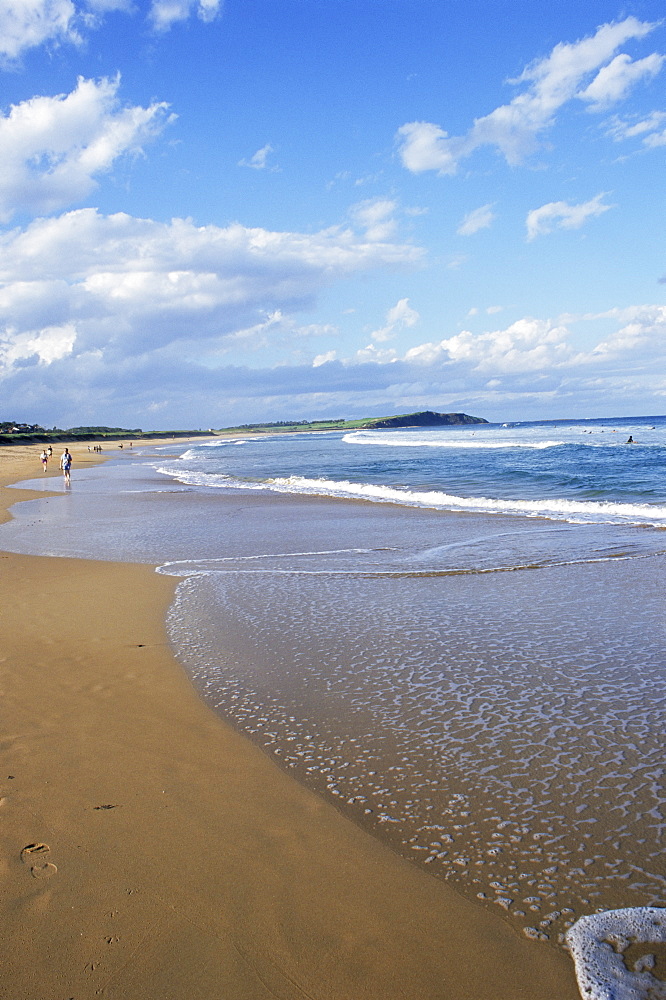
(18, 433)
(422, 418)
(12, 432)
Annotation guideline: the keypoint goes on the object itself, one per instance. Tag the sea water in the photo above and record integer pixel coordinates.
(455, 634)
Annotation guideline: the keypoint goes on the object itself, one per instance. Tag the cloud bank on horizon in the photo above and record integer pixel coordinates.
(147, 277)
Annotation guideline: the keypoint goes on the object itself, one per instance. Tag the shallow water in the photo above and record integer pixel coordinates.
(483, 692)
(498, 729)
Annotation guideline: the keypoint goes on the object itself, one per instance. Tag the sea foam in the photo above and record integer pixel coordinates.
(599, 944)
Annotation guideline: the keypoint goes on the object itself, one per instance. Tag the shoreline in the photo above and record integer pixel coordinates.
(188, 864)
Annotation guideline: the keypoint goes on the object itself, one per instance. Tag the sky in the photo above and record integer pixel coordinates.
(223, 213)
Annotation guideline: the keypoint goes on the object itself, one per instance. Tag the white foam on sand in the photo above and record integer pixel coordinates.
(598, 944)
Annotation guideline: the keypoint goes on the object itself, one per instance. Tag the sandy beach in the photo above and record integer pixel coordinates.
(150, 851)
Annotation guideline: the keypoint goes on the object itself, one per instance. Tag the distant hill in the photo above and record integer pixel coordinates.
(425, 418)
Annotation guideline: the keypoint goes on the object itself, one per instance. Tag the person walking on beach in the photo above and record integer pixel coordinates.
(66, 464)
(45, 459)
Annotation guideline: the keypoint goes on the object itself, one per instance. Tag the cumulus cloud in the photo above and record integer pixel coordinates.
(372, 353)
(641, 327)
(128, 286)
(532, 367)
(52, 148)
(46, 345)
(562, 215)
(322, 359)
(426, 146)
(376, 217)
(400, 316)
(533, 348)
(526, 345)
(480, 218)
(104, 302)
(552, 82)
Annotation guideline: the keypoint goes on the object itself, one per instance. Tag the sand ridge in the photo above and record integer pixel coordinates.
(149, 851)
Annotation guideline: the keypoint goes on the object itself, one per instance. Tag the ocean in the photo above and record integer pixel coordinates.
(454, 634)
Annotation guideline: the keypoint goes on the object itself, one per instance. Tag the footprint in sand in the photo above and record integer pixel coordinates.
(35, 855)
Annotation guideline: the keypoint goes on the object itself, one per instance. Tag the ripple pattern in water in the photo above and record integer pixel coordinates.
(507, 732)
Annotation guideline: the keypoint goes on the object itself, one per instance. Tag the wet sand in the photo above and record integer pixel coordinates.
(169, 858)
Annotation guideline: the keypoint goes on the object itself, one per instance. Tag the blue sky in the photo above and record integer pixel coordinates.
(214, 214)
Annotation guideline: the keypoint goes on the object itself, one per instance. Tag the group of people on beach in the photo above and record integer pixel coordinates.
(65, 461)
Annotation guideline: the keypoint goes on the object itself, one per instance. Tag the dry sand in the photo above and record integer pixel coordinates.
(171, 859)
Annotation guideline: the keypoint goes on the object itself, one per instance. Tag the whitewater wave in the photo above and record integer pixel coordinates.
(573, 511)
(196, 452)
(467, 441)
(396, 440)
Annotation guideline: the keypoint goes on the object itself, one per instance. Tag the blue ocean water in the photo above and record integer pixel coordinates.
(570, 471)
(457, 635)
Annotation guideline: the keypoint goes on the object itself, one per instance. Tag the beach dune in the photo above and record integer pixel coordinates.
(150, 851)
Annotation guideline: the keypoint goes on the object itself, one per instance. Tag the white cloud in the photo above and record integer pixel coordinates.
(526, 345)
(322, 359)
(646, 127)
(25, 24)
(373, 353)
(375, 216)
(128, 286)
(643, 327)
(52, 148)
(401, 315)
(552, 82)
(480, 218)
(650, 129)
(562, 215)
(425, 146)
(259, 161)
(542, 346)
(613, 81)
(655, 139)
(165, 13)
(46, 345)
(532, 369)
